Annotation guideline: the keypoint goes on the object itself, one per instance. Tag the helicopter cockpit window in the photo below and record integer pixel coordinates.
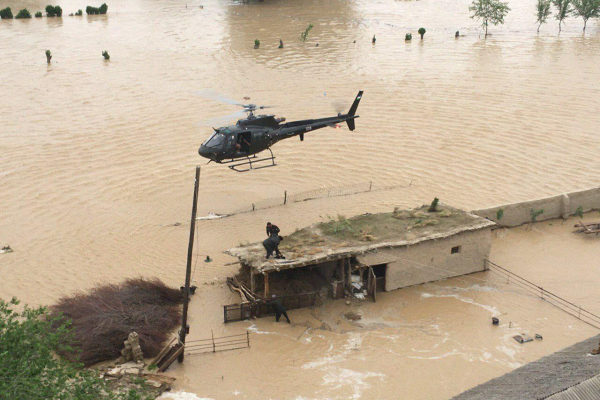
(216, 140)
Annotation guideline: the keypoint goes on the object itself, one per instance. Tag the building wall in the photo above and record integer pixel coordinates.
(432, 260)
(560, 206)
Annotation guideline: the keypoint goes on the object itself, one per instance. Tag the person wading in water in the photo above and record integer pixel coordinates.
(279, 309)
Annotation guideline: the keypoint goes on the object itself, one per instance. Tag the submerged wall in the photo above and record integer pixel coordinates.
(561, 206)
(433, 260)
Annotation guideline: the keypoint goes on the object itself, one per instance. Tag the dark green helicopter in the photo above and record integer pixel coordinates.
(237, 145)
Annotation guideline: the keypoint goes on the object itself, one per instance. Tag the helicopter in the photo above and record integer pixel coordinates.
(237, 145)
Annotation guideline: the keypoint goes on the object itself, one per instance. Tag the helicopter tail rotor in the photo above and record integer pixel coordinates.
(351, 114)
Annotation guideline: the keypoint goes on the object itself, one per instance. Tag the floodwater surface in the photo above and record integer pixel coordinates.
(97, 163)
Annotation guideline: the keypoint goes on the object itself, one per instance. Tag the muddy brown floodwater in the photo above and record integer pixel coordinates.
(97, 159)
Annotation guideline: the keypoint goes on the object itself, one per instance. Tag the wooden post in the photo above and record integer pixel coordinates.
(266, 285)
(285, 197)
(188, 270)
(252, 280)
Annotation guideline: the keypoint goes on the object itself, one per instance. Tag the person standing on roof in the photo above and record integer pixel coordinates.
(279, 309)
(272, 229)
(271, 244)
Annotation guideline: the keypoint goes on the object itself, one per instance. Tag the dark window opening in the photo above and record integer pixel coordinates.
(455, 249)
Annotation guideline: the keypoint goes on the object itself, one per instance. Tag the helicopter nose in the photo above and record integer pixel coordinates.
(204, 152)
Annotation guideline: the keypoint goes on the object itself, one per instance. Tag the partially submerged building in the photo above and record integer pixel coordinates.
(369, 253)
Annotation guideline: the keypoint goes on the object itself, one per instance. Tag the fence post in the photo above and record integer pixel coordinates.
(370, 185)
(253, 207)
(213, 340)
(284, 197)
(248, 337)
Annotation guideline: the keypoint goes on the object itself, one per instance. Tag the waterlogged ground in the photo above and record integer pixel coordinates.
(97, 158)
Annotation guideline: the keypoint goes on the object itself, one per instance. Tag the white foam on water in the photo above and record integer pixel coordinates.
(181, 396)
(493, 310)
(254, 329)
(454, 352)
(340, 377)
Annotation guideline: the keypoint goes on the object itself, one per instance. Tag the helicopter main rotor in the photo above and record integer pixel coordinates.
(246, 108)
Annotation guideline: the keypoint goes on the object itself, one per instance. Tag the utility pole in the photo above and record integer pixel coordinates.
(188, 270)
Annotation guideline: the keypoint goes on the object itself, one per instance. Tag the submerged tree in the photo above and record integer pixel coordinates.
(48, 56)
(422, 32)
(105, 55)
(543, 12)
(563, 9)
(24, 13)
(38, 14)
(304, 35)
(586, 9)
(6, 13)
(489, 11)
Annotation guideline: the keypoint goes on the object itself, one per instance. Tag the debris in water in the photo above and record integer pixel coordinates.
(352, 316)
(6, 249)
(538, 336)
(523, 338)
(495, 321)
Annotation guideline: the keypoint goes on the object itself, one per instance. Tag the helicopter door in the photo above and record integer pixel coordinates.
(245, 140)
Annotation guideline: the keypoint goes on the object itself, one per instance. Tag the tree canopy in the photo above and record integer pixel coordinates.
(563, 9)
(586, 9)
(30, 369)
(489, 11)
(543, 12)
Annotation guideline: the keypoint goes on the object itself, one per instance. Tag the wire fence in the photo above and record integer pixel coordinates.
(557, 301)
(288, 197)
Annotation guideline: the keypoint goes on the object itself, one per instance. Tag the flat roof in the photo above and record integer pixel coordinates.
(342, 237)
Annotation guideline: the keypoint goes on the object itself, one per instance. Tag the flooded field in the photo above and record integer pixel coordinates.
(97, 164)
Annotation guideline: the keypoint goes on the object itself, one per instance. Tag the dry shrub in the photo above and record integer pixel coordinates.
(102, 318)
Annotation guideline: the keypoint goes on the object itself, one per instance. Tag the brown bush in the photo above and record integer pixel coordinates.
(102, 318)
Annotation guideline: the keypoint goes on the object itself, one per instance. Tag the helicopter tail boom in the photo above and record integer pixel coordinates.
(351, 116)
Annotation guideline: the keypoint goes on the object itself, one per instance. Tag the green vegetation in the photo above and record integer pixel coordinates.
(586, 9)
(433, 207)
(105, 55)
(24, 13)
(304, 35)
(563, 10)
(6, 13)
(341, 232)
(89, 10)
(489, 11)
(579, 212)
(535, 213)
(29, 342)
(408, 37)
(256, 43)
(543, 12)
(422, 32)
(48, 56)
(38, 14)
(53, 11)
(79, 13)
(499, 214)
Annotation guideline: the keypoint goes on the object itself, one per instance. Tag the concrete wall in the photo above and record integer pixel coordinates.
(432, 260)
(560, 206)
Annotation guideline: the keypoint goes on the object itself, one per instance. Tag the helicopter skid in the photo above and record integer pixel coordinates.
(246, 164)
